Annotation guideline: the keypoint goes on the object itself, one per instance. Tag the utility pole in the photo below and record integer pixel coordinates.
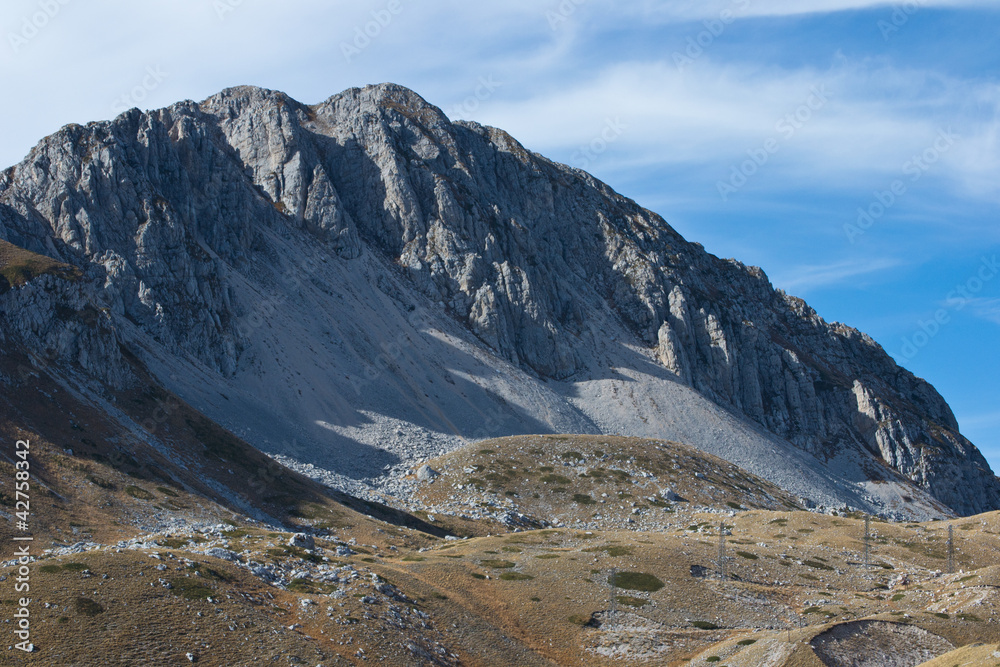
(951, 549)
(613, 603)
(721, 562)
(868, 537)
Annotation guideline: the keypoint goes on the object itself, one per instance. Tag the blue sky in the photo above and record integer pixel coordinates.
(756, 127)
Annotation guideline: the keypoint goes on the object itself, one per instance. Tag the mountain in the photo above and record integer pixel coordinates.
(359, 285)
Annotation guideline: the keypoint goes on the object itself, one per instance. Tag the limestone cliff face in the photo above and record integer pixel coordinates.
(174, 215)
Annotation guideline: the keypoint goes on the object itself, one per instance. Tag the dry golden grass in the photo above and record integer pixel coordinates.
(599, 480)
(18, 266)
(537, 597)
(987, 655)
(554, 610)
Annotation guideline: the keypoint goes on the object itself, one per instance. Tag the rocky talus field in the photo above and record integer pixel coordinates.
(604, 552)
(350, 383)
(361, 284)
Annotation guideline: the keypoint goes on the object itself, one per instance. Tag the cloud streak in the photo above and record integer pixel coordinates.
(802, 279)
(986, 309)
(718, 113)
(707, 9)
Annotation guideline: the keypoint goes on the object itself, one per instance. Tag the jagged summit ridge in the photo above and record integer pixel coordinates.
(447, 284)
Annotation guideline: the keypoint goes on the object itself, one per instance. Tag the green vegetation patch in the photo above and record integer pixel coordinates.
(516, 576)
(555, 479)
(630, 601)
(306, 586)
(704, 625)
(190, 588)
(139, 492)
(583, 499)
(87, 607)
(172, 542)
(497, 564)
(299, 552)
(747, 555)
(103, 483)
(816, 565)
(614, 550)
(636, 581)
(207, 572)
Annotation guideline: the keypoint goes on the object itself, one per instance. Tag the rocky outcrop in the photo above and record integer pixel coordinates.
(189, 224)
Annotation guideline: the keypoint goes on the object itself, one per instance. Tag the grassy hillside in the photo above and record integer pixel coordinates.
(380, 586)
(177, 539)
(588, 481)
(18, 266)
(370, 592)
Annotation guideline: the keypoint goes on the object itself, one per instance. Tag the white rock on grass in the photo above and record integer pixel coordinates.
(303, 541)
(425, 473)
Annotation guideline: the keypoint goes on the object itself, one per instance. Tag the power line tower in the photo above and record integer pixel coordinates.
(868, 539)
(721, 561)
(951, 549)
(613, 603)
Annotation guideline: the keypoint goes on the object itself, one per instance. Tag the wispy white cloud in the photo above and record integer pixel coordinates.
(802, 279)
(981, 420)
(715, 113)
(702, 9)
(706, 117)
(985, 309)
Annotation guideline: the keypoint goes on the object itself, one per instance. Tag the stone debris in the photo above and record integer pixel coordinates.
(302, 540)
(720, 358)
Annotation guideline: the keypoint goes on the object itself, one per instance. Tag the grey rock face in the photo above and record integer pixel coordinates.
(198, 224)
(425, 473)
(302, 540)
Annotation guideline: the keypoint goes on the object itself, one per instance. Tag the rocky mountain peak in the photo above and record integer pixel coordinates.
(375, 283)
